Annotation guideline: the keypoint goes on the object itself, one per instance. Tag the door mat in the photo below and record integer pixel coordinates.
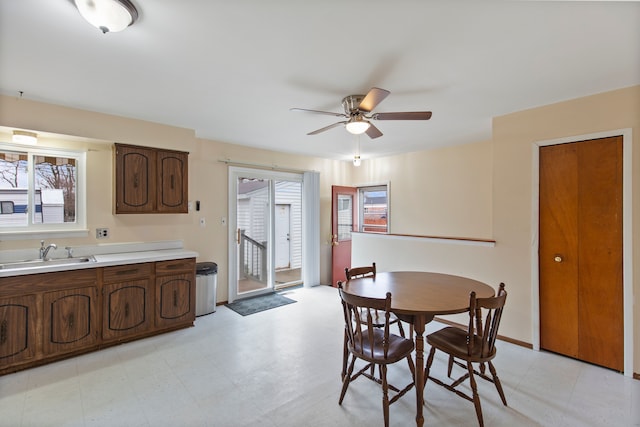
(260, 303)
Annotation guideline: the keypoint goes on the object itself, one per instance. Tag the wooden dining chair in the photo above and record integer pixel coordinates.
(476, 345)
(369, 270)
(374, 345)
(366, 271)
(355, 272)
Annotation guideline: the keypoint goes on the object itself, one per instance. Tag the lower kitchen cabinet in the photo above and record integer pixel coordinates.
(18, 329)
(175, 293)
(128, 302)
(70, 320)
(49, 316)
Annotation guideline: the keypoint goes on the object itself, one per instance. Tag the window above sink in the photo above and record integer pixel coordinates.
(41, 192)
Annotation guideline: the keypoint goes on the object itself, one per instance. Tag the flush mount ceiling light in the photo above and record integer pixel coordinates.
(357, 125)
(24, 137)
(108, 15)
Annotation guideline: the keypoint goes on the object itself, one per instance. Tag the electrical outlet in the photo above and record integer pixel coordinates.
(102, 233)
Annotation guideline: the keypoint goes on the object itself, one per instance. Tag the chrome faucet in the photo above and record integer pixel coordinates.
(44, 251)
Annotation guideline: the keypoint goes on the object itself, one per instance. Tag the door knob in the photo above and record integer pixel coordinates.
(557, 258)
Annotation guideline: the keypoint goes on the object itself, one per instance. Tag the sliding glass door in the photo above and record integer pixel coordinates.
(265, 231)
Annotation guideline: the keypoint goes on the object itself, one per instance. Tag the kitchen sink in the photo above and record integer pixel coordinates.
(35, 263)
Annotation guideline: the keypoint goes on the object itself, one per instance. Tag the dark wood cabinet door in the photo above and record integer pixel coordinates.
(70, 319)
(175, 299)
(172, 167)
(18, 317)
(127, 309)
(150, 180)
(135, 179)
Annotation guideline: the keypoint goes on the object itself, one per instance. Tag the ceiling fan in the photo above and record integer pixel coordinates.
(358, 112)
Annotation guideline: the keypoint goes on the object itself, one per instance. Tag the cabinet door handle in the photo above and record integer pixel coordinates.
(130, 271)
(126, 310)
(175, 298)
(71, 320)
(135, 180)
(3, 332)
(172, 181)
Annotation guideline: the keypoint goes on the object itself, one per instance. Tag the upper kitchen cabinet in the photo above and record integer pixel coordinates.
(172, 190)
(150, 180)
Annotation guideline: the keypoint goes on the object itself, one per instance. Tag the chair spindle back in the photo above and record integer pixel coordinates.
(487, 335)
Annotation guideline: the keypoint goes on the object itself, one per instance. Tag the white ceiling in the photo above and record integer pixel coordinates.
(231, 70)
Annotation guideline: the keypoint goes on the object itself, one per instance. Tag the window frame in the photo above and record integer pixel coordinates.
(41, 231)
(361, 208)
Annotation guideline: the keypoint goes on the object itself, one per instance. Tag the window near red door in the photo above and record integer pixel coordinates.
(374, 209)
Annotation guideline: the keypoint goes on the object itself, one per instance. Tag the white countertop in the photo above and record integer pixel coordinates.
(108, 259)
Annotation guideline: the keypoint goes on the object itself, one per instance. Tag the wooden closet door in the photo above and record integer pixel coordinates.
(558, 255)
(600, 252)
(581, 251)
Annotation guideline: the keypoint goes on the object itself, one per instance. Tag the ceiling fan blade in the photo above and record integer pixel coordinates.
(409, 115)
(373, 132)
(372, 99)
(328, 113)
(315, 132)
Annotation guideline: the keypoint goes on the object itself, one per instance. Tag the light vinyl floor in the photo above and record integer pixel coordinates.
(281, 368)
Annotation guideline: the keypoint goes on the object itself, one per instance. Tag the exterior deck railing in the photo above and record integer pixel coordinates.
(253, 258)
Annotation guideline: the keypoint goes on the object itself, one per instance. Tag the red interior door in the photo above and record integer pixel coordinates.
(343, 222)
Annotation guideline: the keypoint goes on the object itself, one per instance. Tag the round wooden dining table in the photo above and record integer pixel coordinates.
(417, 297)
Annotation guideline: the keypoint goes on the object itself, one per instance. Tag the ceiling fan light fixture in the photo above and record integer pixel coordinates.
(108, 15)
(24, 137)
(357, 126)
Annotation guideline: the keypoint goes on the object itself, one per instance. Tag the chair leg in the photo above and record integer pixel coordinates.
(385, 394)
(345, 356)
(450, 366)
(428, 367)
(476, 397)
(497, 382)
(412, 367)
(346, 380)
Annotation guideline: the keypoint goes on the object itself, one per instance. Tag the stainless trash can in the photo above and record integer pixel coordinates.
(206, 287)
